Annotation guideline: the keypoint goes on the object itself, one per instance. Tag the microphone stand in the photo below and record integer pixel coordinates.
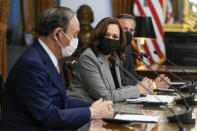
(190, 86)
(191, 98)
(176, 117)
(184, 115)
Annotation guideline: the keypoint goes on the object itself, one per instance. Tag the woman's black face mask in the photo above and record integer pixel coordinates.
(129, 37)
(108, 46)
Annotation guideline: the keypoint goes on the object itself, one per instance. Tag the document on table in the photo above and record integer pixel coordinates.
(153, 98)
(137, 117)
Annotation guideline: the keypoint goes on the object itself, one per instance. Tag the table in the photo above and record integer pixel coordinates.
(162, 125)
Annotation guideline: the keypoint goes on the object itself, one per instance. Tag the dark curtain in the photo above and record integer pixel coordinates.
(32, 11)
(42, 5)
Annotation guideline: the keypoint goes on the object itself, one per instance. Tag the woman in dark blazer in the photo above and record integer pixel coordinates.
(94, 75)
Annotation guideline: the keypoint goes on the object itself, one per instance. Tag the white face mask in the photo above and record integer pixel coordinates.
(69, 50)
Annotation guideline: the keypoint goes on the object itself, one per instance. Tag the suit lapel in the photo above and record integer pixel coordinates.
(118, 74)
(50, 68)
(107, 71)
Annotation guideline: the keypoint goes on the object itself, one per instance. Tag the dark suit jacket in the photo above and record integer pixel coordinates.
(129, 65)
(35, 96)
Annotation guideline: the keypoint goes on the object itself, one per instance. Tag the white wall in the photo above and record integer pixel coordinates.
(100, 8)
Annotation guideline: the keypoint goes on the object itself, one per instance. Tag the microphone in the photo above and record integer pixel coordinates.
(148, 57)
(176, 117)
(190, 86)
(190, 98)
(184, 115)
(172, 63)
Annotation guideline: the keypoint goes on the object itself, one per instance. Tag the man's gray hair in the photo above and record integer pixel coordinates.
(54, 18)
(125, 16)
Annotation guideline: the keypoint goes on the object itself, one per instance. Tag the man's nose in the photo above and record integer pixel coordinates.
(111, 37)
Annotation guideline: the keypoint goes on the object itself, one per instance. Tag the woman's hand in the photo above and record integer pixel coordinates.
(162, 83)
(145, 86)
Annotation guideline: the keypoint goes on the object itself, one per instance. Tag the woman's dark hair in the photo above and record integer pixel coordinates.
(54, 18)
(100, 32)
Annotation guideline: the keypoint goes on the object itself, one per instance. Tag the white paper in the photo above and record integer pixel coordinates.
(154, 98)
(136, 118)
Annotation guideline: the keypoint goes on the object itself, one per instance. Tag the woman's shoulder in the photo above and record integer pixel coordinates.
(88, 52)
(88, 56)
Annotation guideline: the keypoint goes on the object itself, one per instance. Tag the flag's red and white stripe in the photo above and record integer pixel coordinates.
(169, 13)
(154, 9)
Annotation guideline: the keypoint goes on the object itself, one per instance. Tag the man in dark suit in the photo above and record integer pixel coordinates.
(128, 23)
(35, 95)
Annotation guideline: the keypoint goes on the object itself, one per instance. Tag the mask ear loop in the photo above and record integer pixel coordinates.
(62, 48)
(59, 43)
(65, 35)
(57, 34)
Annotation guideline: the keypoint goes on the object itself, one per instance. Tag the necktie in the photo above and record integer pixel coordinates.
(58, 69)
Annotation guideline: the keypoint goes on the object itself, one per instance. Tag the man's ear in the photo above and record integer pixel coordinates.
(56, 33)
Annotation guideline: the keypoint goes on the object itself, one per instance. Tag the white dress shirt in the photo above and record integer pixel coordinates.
(49, 52)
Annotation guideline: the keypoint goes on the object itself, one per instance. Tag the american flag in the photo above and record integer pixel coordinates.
(169, 13)
(154, 9)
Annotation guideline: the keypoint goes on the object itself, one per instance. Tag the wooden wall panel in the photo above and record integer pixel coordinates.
(122, 6)
(4, 11)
